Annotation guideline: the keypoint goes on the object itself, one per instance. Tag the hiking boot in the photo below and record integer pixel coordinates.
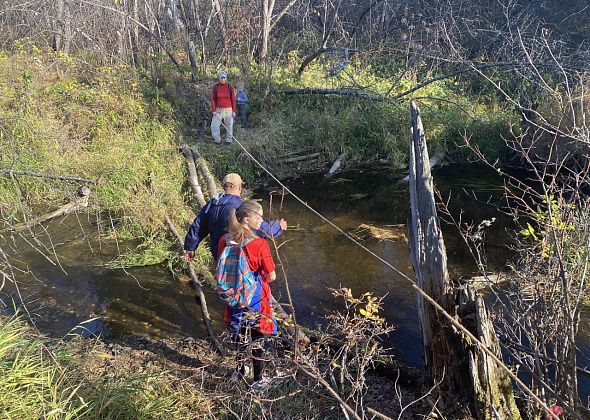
(217, 142)
(227, 143)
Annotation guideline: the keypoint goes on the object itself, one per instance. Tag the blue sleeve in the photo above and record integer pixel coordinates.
(245, 97)
(198, 231)
(270, 229)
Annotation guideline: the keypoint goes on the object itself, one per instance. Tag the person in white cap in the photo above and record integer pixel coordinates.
(223, 107)
(213, 218)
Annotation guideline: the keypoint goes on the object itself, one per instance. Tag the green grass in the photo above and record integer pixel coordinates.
(40, 378)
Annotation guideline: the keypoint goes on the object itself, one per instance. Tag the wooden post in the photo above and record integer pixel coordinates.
(336, 165)
(464, 371)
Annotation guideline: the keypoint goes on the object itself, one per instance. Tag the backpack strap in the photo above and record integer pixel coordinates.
(243, 246)
(246, 242)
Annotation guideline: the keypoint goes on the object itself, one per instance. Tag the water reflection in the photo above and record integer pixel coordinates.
(64, 283)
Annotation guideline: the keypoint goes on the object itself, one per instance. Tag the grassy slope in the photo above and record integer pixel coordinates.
(62, 116)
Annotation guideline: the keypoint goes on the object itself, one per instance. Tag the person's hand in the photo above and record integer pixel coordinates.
(283, 224)
(189, 255)
(233, 114)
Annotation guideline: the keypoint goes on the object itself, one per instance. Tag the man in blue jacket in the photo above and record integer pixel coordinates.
(213, 218)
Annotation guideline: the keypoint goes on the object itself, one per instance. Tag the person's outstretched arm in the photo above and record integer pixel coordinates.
(272, 228)
(196, 233)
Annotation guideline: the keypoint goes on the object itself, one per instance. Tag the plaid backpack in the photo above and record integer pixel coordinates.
(236, 283)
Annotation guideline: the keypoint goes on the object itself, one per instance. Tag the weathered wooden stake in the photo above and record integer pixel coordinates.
(465, 372)
(336, 165)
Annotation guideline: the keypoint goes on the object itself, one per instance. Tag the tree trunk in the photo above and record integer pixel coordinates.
(465, 372)
(121, 32)
(267, 25)
(493, 394)
(267, 8)
(217, 7)
(135, 34)
(202, 35)
(58, 37)
(66, 28)
(431, 269)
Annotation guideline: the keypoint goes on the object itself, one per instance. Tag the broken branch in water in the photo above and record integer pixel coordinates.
(77, 204)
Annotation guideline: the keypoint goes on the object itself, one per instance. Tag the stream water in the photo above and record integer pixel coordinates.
(66, 287)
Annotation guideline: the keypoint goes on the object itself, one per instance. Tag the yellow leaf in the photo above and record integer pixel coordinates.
(103, 355)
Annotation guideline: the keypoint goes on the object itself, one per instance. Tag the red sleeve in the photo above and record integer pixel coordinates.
(260, 258)
(221, 245)
(213, 104)
(232, 95)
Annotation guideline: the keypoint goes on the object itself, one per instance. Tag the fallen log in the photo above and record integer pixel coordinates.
(79, 203)
(300, 158)
(342, 92)
(192, 175)
(48, 176)
(205, 173)
(197, 286)
(296, 152)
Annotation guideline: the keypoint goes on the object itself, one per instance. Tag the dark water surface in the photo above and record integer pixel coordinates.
(67, 283)
(62, 279)
(318, 257)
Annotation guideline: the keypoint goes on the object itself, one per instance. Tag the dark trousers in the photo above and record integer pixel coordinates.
(243, 114)
(246, 338)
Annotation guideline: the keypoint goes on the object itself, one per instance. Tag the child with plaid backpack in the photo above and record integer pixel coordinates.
(244, 270)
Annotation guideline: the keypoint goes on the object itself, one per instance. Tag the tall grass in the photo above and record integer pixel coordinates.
(44, 379)
(61, 116)
(32, 383)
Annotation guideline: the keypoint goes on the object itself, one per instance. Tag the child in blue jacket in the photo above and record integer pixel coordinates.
(242, 105)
